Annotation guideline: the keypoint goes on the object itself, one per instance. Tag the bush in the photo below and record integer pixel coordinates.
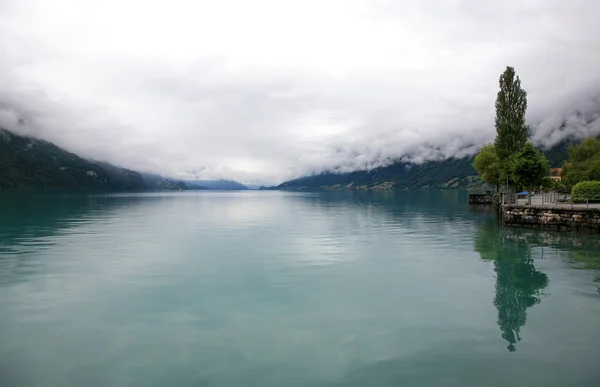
(560, 186)
(586, 190)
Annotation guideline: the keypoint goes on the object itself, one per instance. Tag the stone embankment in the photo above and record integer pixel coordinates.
(566, 219)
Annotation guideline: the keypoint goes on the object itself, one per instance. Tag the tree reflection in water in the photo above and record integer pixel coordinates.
(518, 283)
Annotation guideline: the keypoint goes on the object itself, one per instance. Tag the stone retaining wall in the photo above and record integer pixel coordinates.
(552, 218)
(481, 199)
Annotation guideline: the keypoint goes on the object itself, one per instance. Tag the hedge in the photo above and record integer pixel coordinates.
(586, 190)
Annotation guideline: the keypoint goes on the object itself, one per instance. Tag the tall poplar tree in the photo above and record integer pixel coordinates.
(511, 105)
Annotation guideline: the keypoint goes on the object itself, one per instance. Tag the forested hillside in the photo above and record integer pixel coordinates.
(450, 173)
(31, 165)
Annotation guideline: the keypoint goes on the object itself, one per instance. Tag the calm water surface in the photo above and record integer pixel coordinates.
(290, 289)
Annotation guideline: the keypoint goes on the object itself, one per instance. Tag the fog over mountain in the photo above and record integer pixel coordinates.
(267, 90)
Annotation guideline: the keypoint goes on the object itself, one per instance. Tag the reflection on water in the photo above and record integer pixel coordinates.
(518, 287)
(31, 224)
(518, 283)
(290, 289)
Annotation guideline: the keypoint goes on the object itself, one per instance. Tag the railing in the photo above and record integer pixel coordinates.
(587, 199)
(550, 197)
(553, 199)
(509, 198)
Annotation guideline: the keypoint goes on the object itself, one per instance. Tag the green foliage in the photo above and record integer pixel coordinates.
(586, 190)
(488, 166)
(584, 162)
(587, 149)
(511, 105)
(495, 162)
(547, 183)
(529, 167)
(558, 186)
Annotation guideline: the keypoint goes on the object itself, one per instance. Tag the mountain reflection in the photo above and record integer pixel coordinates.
(518, 283)
(29, 223)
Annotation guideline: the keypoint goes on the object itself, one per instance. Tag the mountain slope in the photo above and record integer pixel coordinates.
(216, 184)
(159, 183)
(450, 173)
(31, 164)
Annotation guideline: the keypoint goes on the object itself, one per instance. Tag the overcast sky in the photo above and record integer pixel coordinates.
(265, 90)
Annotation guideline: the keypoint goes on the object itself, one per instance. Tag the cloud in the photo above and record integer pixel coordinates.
(267, 90)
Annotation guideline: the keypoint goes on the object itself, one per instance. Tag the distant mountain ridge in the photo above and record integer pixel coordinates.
(225, 185)
(29, 164)
(449, 173)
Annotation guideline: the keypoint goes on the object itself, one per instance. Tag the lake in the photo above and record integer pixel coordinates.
(290, 289)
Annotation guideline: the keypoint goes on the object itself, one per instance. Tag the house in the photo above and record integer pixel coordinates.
(556, 174)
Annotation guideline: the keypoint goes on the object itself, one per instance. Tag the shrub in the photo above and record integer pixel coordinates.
(586, 190)
(561, 186)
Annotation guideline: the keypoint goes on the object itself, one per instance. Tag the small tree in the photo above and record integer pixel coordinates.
(488, 166)
(511, 105)
(529, 168)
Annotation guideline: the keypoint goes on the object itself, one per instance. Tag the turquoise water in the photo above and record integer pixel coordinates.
(290, 289)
